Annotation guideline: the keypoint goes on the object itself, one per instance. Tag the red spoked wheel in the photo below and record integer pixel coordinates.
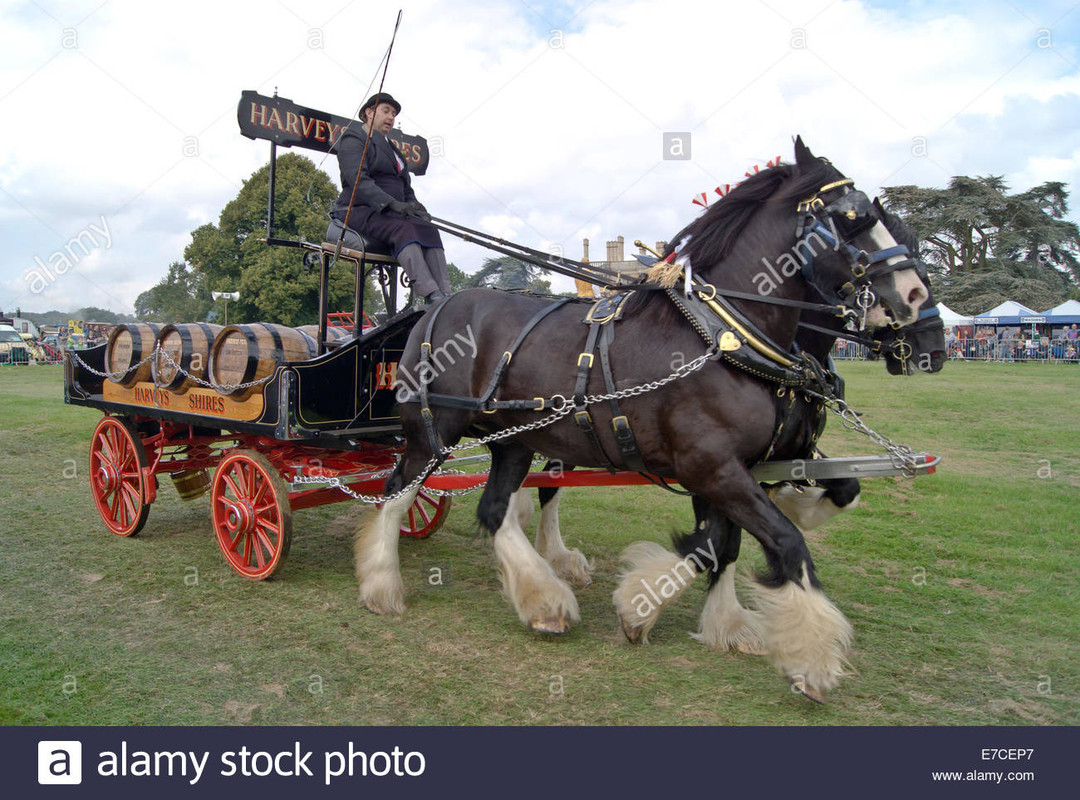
(117, 477)
(426, 514)
(251, 515)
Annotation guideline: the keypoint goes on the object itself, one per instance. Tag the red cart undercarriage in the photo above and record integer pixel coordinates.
(256, 482)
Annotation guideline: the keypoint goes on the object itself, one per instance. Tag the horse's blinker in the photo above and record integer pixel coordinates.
(845, 218)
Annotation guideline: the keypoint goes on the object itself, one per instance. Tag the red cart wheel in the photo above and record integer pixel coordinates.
(251, 514)
(117, 480)
(426, 514)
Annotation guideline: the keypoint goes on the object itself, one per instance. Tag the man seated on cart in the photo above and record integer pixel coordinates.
(377, 200)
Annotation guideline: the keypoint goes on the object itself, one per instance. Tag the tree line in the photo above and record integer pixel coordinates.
(983, 245)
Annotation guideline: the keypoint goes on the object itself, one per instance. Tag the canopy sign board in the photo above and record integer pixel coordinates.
(283, 122)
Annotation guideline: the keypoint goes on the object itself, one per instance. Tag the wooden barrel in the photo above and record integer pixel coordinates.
(128, 345)
(188, 345)
(191, 483)
(245, 353)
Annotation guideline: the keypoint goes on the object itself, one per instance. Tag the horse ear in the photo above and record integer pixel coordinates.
(878, 207)
(803, 156)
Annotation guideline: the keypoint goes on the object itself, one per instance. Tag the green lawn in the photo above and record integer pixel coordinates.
(962, 587)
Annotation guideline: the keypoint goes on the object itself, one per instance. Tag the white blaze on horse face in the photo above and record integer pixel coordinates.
(909, 287)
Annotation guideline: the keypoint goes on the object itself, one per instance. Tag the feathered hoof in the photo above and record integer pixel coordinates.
(389, 609)
(807, 636)
(383, 597)
(730, 626)
(635, 632)
(572, 567)
(807, 507)
(817, 695)
(751, 649)
(653, 578)
(552, 625)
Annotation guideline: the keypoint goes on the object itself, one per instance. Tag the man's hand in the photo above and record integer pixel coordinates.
(409, 210)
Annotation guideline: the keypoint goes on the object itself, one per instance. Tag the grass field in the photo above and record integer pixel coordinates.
(963, 587)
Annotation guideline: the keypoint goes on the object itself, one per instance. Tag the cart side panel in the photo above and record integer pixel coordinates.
(80, 384)
(354, 386)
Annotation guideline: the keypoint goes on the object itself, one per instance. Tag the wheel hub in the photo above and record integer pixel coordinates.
(108, 478)
(240, 518)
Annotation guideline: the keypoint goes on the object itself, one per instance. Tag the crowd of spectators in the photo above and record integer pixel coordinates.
(1005, 344)
(1016, 344)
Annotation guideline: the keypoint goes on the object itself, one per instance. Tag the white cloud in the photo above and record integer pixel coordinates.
(551, 115)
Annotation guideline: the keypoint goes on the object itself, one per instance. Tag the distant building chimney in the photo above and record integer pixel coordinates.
(615, 252)
(585, 251)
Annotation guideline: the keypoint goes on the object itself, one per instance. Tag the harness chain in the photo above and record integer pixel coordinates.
(217, 387)
(563, 407)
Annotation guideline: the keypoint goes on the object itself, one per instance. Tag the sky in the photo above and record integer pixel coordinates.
(547, 119)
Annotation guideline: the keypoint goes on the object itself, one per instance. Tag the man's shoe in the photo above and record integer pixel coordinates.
(435, 298)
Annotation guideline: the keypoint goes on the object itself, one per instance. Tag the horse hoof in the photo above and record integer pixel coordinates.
(553, 626)
(817, 695)
(635, 634)
(384, 610)
(748, 649)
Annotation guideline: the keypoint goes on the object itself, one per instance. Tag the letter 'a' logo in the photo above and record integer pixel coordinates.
(59, 762)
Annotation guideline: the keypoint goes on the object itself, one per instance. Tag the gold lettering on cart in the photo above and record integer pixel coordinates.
(385, 375)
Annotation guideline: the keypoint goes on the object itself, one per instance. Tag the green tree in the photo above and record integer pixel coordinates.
(459, 279)
(276, 284)
(507, 272)
(181, 296)
(95, 314)
(985, 246)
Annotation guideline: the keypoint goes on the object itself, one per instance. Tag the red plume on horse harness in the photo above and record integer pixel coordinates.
(702, 199)
(667, 272)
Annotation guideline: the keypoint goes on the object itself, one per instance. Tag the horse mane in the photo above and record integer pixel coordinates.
(714, 233)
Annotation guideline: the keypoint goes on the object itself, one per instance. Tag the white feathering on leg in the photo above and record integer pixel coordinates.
(653, 579)
(522, 505)
(806, 635)
(807, 507)
(376, 555)
(725, 624)
(570, 565)
(542, 600)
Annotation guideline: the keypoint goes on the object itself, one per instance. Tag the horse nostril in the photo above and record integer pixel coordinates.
(917, 296)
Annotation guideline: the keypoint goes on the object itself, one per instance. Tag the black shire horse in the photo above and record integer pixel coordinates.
(714, 544)
(704, 429)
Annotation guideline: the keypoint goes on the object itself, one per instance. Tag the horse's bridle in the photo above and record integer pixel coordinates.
(837, 224)
(893, 341)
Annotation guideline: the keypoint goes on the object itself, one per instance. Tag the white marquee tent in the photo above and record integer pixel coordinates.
(950, 319)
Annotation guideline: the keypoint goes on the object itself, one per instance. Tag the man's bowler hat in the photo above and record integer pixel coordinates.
(382, 97)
